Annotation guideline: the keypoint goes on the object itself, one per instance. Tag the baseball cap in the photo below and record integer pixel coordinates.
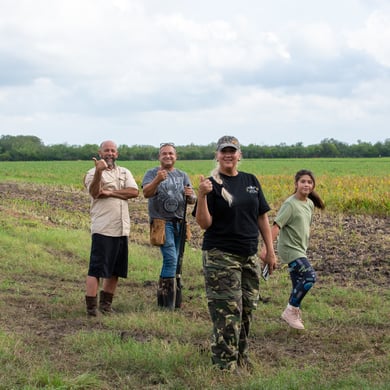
(228, 141)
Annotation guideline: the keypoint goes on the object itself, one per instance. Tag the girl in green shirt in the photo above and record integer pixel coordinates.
(292, 224)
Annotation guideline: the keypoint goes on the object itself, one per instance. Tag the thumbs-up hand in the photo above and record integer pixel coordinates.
(162, 174)
(205, 186)
(100, 165)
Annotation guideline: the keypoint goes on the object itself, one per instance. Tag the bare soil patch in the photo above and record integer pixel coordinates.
(345, 250)
(344, 247)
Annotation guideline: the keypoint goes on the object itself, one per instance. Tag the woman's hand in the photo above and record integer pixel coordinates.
(205, 187)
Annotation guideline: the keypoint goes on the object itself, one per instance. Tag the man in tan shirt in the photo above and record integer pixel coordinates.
(110, 187)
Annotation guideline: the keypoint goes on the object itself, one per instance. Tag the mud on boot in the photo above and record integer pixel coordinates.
(168, 293)
(105, 302)
(91, 303)
(160, 291)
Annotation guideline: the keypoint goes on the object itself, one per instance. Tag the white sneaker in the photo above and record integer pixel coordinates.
(292, 315)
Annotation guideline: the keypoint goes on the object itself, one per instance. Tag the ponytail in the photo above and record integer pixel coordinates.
(318, 202)
(224, 192)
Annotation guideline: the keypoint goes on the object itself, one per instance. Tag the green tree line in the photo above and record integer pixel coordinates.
(31, 148)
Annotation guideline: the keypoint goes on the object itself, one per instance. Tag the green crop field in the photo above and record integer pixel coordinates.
(352, 185)
(71, 172)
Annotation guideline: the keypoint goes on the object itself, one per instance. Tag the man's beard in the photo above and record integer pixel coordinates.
(110, 162)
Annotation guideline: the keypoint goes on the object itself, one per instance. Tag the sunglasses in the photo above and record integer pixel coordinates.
(167, 144)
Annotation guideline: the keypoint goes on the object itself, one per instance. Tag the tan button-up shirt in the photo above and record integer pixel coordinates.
(110, 216)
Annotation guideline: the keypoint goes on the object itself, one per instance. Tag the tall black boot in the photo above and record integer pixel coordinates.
(160, 292)
(179, 295)
(169, 293)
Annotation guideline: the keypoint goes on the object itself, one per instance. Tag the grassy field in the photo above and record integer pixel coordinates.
(70, 173)
(47, 342)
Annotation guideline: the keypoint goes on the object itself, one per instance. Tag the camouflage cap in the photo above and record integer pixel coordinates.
(228, 141)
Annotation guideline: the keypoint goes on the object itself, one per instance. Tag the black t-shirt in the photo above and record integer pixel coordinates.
(235, 229)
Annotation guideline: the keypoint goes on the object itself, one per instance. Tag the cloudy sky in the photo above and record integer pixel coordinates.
(142, 72)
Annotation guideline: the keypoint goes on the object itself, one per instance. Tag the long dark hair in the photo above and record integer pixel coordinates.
(318, 202)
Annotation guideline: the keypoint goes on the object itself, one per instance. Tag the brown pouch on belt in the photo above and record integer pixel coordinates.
(157, 232)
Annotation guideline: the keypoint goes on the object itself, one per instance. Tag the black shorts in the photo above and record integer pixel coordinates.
(109, 256)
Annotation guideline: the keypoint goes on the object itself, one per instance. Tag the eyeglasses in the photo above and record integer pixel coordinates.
(167, 144)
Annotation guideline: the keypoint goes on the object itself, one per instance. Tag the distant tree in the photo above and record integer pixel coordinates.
(383, 150)
(17, 148)
(329, 148)
(21, 147)
(137, 152)
(87, 151)
(364, 149)
(61, 152)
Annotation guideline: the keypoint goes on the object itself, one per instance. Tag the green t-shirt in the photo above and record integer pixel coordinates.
(294, 219)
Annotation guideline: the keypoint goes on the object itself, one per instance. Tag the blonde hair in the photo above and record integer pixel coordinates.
(225, 193)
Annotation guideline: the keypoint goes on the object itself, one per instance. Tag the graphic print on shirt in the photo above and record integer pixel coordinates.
(170, 194)
(252, 189)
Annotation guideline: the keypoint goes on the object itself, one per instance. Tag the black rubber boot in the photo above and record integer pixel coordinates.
(91, 305)
(160, 292)
(169, 293)
(105, 301)
(179, 295)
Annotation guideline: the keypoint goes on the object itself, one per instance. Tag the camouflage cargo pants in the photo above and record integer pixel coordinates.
(232, 289)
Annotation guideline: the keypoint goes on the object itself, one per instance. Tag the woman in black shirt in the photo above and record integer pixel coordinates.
(232, 210)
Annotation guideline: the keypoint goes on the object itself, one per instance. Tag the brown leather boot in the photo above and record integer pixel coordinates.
(105, 301)
(91, 305)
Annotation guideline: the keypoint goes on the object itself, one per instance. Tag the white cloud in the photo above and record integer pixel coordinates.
(75, 68)
(316, 39)
(374, 38)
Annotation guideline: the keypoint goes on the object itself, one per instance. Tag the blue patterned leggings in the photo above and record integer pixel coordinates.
(302, 277)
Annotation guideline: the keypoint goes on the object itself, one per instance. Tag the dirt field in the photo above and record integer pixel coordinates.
(347, 249)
